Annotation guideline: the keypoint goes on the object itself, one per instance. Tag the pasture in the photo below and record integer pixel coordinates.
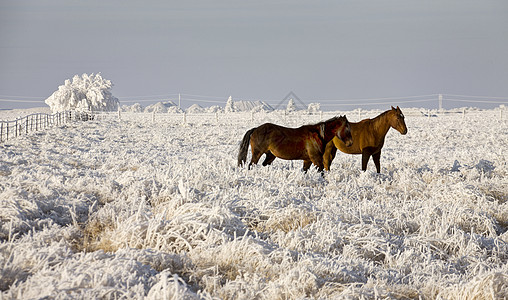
(157, 208)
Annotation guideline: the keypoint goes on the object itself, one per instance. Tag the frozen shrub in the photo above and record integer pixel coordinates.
(88, 92)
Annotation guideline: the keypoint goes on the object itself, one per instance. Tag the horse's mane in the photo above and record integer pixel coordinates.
(381, 114)
(331, 120)
(385, 112)
(317, 125)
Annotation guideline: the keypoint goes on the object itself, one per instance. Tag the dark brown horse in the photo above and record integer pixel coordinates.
(368, 138)
(305, 143)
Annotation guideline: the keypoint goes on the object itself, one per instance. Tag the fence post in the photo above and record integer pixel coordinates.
(440, 98)
(463, 114)
(1, 131)
(26, 125)
(16, 130)
(119, 116)
(184, 118)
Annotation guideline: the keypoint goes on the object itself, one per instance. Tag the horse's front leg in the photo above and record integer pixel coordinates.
(377, 158)
(318, 161)
(366, 153)
(329, 155)
(306, 165)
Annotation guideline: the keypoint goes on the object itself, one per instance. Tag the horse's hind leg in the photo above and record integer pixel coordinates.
(269, 158)
(256, 155)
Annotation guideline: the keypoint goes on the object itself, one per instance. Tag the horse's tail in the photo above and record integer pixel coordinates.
(244, 147)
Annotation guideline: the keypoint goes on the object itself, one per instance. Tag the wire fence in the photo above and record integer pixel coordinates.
(40, 121)
(292, 119)
(430, 101)
(37, 122)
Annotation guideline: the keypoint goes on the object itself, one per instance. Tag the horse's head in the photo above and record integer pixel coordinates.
(344, 131)
(397, 120)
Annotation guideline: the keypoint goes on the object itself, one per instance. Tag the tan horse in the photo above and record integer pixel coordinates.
(368, 138)
(305, 143)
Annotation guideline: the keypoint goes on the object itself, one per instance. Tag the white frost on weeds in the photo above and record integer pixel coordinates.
(133, 209)
(88, 92)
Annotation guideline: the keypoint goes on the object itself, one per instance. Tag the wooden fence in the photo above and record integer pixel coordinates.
(38, 121)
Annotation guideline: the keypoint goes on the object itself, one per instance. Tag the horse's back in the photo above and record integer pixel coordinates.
(268, 134)
(284, 142)
(268, 130)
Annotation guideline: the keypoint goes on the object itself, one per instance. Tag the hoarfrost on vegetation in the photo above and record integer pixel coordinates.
(230, 106)
(291, 107)
(131, 209)
(314, 107)
(162, 107)
(83, 93)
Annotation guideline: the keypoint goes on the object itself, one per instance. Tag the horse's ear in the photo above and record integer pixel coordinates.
(398, 108)
(393, 108)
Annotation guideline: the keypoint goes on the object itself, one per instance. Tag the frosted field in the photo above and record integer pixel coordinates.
(137, 208)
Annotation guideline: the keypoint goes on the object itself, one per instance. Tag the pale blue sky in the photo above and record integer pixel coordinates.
(256, 50)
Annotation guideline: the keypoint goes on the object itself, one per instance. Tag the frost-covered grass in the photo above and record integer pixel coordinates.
(131, 208)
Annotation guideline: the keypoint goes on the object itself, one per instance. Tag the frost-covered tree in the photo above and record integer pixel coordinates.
(291, 105)
(230, 106)
(314, 107)
(84, 93)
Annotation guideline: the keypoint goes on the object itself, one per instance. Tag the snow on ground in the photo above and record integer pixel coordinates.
(153, 207)
(12, 114)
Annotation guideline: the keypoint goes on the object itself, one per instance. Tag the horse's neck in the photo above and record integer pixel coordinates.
(324, 132)
(381, 125)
